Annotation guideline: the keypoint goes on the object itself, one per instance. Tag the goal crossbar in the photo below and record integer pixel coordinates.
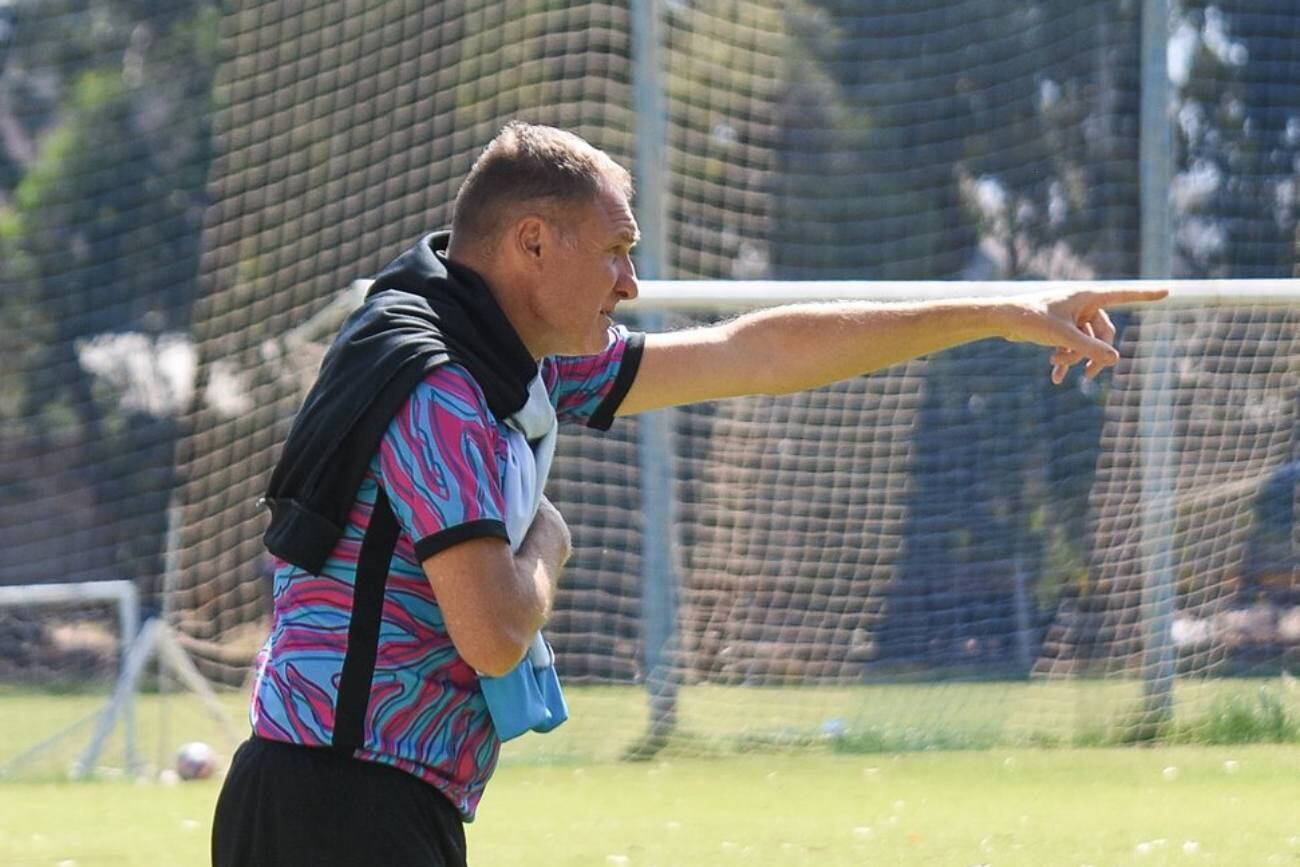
(723, 295)
(687, 296)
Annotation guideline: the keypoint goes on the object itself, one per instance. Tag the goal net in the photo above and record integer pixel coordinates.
(949, 553)
(1001, 560)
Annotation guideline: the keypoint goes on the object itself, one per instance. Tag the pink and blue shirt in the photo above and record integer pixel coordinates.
(437, 476)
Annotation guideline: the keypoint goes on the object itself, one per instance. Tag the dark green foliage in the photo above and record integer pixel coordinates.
(107, 113)
(1237, 139)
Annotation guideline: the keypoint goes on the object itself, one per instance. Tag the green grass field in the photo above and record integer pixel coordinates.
(896, 796)
(1183, 805)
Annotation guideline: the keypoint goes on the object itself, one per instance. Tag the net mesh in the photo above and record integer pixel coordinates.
(1232, 439)
(792, 521)
(184, 192)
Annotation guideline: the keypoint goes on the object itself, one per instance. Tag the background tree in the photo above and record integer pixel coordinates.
(105, 120)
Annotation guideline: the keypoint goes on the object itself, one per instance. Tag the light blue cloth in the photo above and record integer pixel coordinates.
(529, 698)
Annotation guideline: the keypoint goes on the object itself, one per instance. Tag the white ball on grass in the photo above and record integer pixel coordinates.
(195, 761)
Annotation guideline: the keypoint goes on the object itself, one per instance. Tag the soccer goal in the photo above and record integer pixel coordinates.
(949, 553)
(72, 685)
(71, 636)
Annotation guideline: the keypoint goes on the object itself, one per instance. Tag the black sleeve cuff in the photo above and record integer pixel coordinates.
(603, 417)
(444, 539)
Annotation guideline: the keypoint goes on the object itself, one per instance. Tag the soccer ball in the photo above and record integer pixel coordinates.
(195, 761)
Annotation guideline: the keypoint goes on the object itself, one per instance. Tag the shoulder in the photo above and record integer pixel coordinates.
(445, 411)
(449, 389)
(618, 338)
(588, 389)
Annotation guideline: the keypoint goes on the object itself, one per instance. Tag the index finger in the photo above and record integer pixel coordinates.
(1129, 296)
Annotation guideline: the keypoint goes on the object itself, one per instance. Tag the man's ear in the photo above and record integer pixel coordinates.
(529, 236)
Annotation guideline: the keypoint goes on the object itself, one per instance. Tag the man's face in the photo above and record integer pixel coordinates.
(591, 273)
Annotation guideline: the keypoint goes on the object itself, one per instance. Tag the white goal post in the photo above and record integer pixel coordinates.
(734, 296)
(738, 295)
(121, 594)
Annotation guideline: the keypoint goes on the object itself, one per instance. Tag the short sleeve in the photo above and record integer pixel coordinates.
(587, 389)
(438, 464)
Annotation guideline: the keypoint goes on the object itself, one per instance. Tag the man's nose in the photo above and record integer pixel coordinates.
(627, 287)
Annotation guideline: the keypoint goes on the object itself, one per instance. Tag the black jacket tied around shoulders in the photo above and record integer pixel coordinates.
(421, 311)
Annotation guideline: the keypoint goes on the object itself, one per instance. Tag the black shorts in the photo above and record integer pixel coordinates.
(291, 806)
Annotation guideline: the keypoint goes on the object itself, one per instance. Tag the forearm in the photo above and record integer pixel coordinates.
(536, 577)
(801, 346)
(494, 601)
(538, 564)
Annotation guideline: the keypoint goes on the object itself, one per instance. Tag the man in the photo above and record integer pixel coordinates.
(397, 589)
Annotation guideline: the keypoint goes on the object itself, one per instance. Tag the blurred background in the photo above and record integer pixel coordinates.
(185, 184)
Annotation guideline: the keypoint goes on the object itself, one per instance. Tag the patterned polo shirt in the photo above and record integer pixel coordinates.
(440, 469)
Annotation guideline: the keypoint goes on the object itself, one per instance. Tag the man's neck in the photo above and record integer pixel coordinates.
(511, 301)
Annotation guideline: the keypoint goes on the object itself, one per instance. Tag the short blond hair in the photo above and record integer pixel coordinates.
(530, 166)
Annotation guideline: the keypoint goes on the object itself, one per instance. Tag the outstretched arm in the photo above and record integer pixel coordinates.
(799, 346)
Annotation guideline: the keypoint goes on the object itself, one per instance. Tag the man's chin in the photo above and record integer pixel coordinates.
(597, 342)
